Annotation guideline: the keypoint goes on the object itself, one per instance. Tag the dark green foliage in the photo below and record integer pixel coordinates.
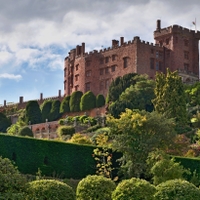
(93, 128)
(46, 110)
(33, 113)
(4, 122)
(117, 107)
(74, 102)
(119, 85)
(25, 131)
(100, 100)
(177, 189)
(52, 157)
(88, 101)
(95, 188)
(49, 189)
(134, 189)
(55, 111)
(64, 107)
(65, 130)
(12, 183)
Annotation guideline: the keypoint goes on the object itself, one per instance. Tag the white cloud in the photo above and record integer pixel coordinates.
(11, 76)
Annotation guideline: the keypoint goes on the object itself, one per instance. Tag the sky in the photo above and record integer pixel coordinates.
(36, 36)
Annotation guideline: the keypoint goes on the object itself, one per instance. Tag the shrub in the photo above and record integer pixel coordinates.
(65, 130)
(25, 131)
(49, 189)
(55, 111)
(95, 187)
(100, 100)
(134, 189)
(4, 122)
(88, 101)
(64, 107)
(79, 138)
(11, 181)
(177, 189)
(46, 109)
(74, 102)
(93, 128)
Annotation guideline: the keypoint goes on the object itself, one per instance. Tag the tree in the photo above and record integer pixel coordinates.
(88, 101)
(100, 100)
(64, 107)
(119, 85)
(46, 109)
(74, 102)
(55, 111)
(4, 122)
(177, 189)
(136, 133)
(33, 113)
(134, 189)
(49, 189)
(14, 128)
(170, 96)
(140, 94)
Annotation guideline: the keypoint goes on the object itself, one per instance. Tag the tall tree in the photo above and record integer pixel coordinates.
(170, 96)
(55, 110)
(136, 133)
(75, 100)
(33, 113)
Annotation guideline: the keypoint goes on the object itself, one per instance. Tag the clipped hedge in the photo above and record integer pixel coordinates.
(52, 157)
(49, 189)
(66, 130)
(25, 131)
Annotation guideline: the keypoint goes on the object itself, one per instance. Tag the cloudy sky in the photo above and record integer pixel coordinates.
(36, 36)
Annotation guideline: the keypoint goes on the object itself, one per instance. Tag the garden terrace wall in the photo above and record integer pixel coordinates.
(52, 157)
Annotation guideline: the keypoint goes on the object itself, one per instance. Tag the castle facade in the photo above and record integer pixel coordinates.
(175, 47)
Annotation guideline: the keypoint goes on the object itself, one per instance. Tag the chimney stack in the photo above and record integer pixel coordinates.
(158, 25)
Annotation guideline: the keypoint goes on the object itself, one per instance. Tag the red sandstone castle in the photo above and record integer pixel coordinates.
(175, 47)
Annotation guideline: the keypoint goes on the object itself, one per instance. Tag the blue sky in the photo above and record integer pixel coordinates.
(36, 36)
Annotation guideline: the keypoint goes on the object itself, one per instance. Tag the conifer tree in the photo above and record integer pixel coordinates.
(170, 96)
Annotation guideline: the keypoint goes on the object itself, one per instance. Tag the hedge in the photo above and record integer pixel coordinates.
(52, 157)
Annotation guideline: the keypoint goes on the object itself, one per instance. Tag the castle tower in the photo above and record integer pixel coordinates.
(181, 50)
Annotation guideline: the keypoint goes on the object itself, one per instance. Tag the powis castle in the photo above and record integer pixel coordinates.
(175, 47)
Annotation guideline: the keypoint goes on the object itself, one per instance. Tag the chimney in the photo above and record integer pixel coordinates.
(21, 100)
(121, 41)
(59, 93)
(83, 49)
(77, 50)
(41, 96)
(115, 43)
(158, 25)
(4, 103)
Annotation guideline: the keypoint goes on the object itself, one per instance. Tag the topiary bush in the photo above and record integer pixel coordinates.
(25, 131)
(177, 189)
(74, 102)
(49, 189)
(88, 101)
(65, 130)
(95, 187)
(134, 189)
(100, 100)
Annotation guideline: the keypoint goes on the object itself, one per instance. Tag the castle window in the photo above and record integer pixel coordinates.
(107, 84)
(186, 55)
(167, 41)
(113, 68)
(157, 54)
(76, 87)
(157, 65)
(106, 59)
(87, 87)
(152, 51)
(161, 43)
(160, 54)
(88, 73)
(186, 42)
(101, 61)
(168, 53)
(76, 77)
(160, 65)
(101, 85)
(101, 71)
(107, 70)
(114, 57)
(65, 72)
(186, 66)
(152, 63)
(88, 63)
(125, 62)
(77, 67)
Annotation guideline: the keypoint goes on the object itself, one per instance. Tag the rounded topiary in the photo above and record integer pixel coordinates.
(25, 131)
(88, 101)
(177, 189)
(95, 187)
(134, 189)
(100, 100)
(49, 189)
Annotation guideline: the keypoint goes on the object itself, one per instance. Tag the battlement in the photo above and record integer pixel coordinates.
(174, 29)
